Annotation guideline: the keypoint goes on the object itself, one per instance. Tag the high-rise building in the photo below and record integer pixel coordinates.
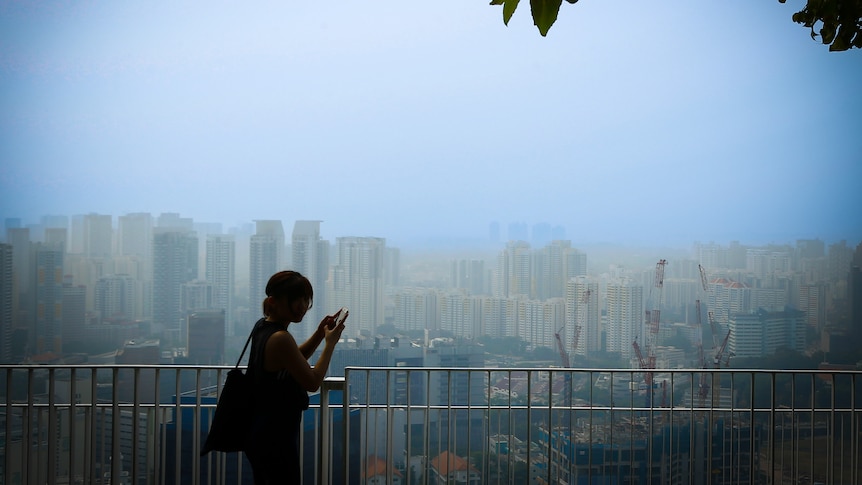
(74, 314)
(46, 332)
(310, 256)
(135, 243)
(194, 296)
(812, 301)
(415, 309)
(625, 317)
(462, 315)
(206, 336)
(358, 282)
(761, 333)
(175, 262)
(583, 315)
(539, 319)
(221, 274)
(468, 275)
(514, 271)
(6, 303)
(854, 295)
(266, 249)
(115, 298)
(98, 236)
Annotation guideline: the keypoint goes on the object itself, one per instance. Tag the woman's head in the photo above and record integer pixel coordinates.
(288, 296)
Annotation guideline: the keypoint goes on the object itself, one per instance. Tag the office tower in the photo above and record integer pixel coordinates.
(195, 295)
(726, 297)
(310, 255)
(763, 263)
(74, 315)
(415, 309)
(839, 260)
(583, 314)
(135, 238)
(625, 315)
(761, 333)
(221, 274)
(575, 263)
(46, 333)
(514, 270)
(206, 331)
(98, 236)
(115, 298)
(468, 275)
(461, 315)
(538, 320)
(358, 282)
(551, 282)
(172, 220)
(6, 306)
(175, 262)
(266, 249)
(812, 301)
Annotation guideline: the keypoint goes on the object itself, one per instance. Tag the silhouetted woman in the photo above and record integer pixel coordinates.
(283, 377)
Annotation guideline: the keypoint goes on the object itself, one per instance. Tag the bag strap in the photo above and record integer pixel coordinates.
(246, 345)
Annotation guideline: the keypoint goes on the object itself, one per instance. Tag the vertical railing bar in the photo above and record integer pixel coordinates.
(135, 410)
(794, 465)
(390, 459)
(469, 411)
(811, 425)
(408, 448)
(178, 425)
(196, 422)
(692, 426)
(486, 425)
(90, 422)
(854, 462)
(116, 464)
(27, 416)
(590, 431)
(345, 411)
(157, 441)
(7, 468)
(830, 444)
(51, 472)
(509, 465)
(632, 428)
(751, 429)
(73, 418)
(368, 427)
(426, 464)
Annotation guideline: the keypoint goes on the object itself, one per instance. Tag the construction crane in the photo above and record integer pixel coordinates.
(564, 357)
(648, 375)
(703, 280)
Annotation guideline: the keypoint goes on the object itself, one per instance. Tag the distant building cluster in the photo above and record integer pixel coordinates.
(89, 284)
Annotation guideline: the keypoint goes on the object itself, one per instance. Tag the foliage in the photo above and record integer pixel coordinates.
(840, 21)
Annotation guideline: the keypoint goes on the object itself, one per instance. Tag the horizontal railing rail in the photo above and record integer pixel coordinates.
(145, 424)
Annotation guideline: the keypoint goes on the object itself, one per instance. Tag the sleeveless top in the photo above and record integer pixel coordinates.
(274, 392)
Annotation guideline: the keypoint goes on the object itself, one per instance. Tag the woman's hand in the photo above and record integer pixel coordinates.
(332, 331)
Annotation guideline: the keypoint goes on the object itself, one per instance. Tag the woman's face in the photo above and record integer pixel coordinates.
(285, 310)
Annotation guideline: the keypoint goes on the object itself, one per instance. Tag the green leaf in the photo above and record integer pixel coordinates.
(508, 9)
(545, 14)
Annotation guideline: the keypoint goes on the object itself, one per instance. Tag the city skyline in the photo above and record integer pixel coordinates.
(702, 123)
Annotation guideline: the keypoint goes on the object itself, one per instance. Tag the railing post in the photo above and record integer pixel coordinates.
(324, 441)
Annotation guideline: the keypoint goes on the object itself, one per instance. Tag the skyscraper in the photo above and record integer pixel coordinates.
(46, 334)
(583, 315)
(175, 261)
(6, 323)
(625, 317)
(266, 250)
(115, 298)
(310, 256)
(514, 271)
(206, 331)
(220, 273)
(358, 282)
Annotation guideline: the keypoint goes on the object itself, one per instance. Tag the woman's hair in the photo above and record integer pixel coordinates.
(288, 284)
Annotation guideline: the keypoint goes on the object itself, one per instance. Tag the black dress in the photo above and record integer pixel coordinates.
(273, 447)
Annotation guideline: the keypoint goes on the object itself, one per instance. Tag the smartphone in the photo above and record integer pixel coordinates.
(341, 316)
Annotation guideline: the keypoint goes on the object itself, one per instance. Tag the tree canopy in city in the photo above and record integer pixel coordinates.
(838, 23)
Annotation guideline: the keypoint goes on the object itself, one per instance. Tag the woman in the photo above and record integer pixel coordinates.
(283, 377)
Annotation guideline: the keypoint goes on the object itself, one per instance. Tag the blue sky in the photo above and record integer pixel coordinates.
(631, 122)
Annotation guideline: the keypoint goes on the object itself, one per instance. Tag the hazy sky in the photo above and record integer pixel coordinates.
(632, 122)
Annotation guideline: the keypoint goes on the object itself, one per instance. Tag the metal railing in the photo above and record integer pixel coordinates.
(146, 425)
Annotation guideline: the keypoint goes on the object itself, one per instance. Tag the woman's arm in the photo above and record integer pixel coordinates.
(308, 347)
(282, 353)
